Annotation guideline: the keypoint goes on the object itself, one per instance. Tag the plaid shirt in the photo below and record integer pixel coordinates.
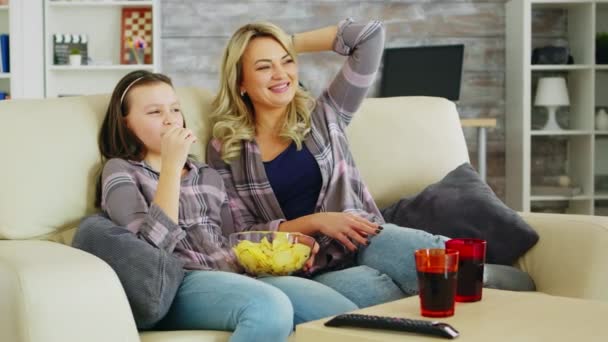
(204, 219)
(252, 200)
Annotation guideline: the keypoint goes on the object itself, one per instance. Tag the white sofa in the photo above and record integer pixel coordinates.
(54, 293)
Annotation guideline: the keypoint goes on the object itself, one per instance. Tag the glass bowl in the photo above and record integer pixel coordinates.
(267, 253)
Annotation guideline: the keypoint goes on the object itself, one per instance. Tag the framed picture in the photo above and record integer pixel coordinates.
(136, 35)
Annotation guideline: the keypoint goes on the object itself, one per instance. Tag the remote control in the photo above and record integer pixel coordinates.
(394, 323)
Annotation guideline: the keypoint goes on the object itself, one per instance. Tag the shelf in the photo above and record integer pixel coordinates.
(101, 67)
(601, 67)
(3, 7)
(601, 196)
(560, 198)
(557, 4)
(560, 67)
(5, 75)
(100, 3)
(563, 132)
(601, 132)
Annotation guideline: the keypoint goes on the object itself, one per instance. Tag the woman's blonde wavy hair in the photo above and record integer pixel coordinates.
(233, 117)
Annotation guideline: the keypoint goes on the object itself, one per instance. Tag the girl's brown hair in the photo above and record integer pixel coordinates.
(115, 139)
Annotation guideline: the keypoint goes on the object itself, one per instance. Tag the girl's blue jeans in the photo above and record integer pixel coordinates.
(263, 309)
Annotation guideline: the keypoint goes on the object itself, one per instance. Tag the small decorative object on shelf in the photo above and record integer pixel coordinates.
(552, 93)
(3, 2)
(552, 55)
(136, 29)
(601, 120)
(555, 207)
(75, 57)
(137, 48)
(63, 44)
(601, 48)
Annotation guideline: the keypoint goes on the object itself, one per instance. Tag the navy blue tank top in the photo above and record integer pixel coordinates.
(296, 180)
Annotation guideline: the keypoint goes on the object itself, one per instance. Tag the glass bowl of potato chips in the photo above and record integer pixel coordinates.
(266, 253)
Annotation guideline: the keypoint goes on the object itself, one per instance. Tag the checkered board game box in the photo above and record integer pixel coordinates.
(136, 22)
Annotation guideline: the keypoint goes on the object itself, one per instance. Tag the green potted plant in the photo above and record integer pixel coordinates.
(601, 48)
(75, 57)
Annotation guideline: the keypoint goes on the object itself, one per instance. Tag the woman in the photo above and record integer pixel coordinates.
(287, 165)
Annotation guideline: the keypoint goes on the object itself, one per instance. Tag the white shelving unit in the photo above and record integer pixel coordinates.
(5, 77)
(586, 148)
(104, 69)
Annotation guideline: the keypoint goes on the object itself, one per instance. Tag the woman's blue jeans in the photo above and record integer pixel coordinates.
(386, 269)
(263, 309)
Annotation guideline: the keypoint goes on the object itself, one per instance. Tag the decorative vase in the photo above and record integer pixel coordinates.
(136, 56)
(75, 60)
(601, 120)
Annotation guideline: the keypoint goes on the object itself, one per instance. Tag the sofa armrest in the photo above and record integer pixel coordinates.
(55, 293)
(570, 257)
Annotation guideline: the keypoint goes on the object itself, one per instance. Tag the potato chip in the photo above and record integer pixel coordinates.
(279, 257)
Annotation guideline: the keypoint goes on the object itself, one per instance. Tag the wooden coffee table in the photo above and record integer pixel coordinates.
(500, 316)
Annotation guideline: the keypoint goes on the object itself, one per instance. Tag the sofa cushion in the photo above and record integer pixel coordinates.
(462, 205)
(403, 144)
(149, 276)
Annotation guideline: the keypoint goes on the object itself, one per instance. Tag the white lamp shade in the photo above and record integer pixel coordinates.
(552, 91)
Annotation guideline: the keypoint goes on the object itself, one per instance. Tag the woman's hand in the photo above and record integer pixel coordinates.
(311, 260)
(346, 228)
(175, 145)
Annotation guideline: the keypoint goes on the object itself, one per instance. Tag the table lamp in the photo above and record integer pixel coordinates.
(552, 93)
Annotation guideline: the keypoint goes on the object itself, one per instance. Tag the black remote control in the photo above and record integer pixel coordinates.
(394, 323)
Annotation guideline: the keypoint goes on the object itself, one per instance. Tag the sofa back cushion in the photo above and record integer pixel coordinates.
(50, 159)
(403, 144)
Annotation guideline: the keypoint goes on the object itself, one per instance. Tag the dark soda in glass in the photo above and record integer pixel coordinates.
(437, 271)
(470, 268)
(437, 292)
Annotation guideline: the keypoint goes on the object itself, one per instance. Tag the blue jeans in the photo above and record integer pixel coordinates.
(264, 309)
(386, 269)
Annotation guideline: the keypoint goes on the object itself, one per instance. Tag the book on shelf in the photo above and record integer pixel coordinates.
(5, 55)
(548, 190)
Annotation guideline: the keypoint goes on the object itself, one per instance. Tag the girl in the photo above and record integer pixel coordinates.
(150, 186)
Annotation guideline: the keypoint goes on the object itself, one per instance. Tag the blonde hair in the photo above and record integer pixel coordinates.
(233, 115)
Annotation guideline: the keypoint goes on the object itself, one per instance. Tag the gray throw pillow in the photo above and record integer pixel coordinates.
(461, 205)
(149, 276)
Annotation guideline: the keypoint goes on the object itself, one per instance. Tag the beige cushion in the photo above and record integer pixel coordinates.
(570, 258)
(54, 293)
(401, 145)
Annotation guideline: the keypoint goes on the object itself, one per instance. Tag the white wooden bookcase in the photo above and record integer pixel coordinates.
(100, 20)
(25, 79)
(587, 148)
